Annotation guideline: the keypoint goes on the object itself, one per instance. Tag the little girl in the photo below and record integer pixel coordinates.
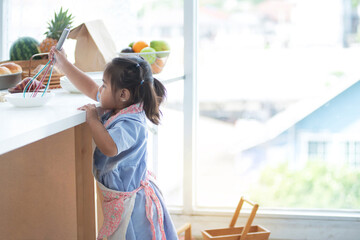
(133, 206)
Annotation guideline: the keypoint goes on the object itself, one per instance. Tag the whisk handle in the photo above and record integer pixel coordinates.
(61, 41)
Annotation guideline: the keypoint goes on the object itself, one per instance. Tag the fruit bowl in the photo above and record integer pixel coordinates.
(157, 60)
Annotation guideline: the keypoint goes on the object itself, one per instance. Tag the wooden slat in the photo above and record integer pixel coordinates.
(100, 214)
(85, 185)
(186, 228)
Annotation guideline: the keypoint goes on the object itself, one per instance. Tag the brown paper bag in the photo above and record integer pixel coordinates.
(94, 46)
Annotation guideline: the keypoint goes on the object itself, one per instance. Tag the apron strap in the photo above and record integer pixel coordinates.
(150, 199)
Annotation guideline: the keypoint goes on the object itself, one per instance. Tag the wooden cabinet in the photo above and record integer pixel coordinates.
(48, 190)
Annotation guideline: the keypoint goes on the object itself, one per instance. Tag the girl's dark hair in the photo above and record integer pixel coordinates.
(134, 74)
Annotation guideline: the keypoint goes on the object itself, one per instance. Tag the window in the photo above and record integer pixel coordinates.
(352, 153)
(270, 72)
(170, 146)
(317, 151)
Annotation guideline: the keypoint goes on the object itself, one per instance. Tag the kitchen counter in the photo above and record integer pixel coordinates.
(21, 126)
(48, 191)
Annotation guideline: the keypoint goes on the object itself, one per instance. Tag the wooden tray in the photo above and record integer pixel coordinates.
(28, 67)
(246, 232)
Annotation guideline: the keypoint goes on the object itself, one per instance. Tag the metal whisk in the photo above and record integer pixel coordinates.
(49, 66)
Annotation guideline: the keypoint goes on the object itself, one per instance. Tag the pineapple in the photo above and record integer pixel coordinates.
(55, 28)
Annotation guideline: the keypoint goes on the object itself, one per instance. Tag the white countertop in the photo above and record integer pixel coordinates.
(21, 126)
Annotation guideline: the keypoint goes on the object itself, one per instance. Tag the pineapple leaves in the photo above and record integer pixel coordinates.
(61, 20)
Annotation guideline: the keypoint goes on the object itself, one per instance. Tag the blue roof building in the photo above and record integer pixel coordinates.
(326, 128)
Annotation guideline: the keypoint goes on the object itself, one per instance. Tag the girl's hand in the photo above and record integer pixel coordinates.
(91, 112)
(101, 136)
(60, 57)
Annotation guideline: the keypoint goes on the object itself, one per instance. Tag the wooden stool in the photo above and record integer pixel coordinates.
(247, 232)
(186, 228)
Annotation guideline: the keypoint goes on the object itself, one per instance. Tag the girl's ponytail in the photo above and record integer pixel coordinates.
(160, 90)
(153, 95)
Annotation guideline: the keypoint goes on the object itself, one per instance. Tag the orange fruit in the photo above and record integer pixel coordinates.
(139, 45)
(157, 66)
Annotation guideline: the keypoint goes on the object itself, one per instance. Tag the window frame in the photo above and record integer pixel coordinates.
(320, 152)
(285, 223)
(190, 103)
(352, 153)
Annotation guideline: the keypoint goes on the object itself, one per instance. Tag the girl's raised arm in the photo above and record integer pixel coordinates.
(81, 81)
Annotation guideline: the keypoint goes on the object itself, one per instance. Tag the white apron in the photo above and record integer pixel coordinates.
(118, 206)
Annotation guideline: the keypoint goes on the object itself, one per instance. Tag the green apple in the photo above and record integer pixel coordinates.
(159, 46)
(148, 54)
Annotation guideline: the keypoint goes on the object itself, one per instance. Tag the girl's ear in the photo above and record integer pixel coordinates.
(124, 95)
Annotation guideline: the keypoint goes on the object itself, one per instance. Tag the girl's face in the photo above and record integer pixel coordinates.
(107, 100)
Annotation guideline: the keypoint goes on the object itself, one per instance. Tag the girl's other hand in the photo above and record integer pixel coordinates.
(91, 112)
(59, 56)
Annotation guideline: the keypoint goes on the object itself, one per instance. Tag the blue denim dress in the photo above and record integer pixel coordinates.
(125, 171)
